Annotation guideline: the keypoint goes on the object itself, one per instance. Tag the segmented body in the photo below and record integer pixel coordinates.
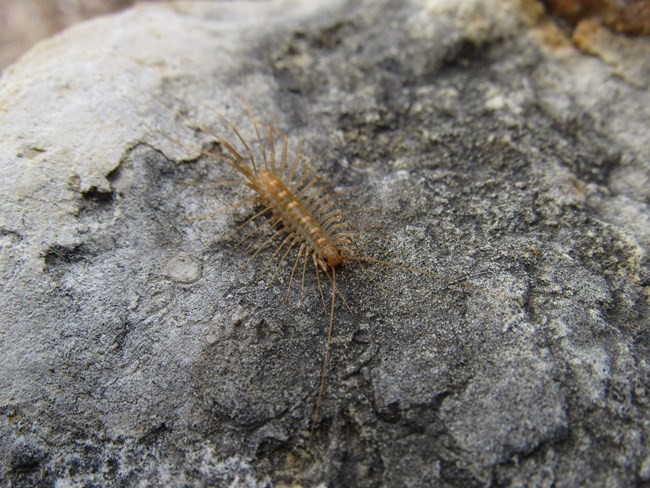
(301, 221)
(297, 208)
(301, 212)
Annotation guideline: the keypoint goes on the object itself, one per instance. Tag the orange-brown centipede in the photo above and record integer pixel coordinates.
(299, 212)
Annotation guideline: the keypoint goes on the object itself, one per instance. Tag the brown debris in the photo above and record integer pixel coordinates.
(630, 17)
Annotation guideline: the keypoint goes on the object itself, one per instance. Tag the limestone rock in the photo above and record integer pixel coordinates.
(135, 350)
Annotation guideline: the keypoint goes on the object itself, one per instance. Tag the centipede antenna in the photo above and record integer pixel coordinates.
(348, 251)
(444, 279)
(321, 387)
(356, 238)
(369, 277)
(378, 235)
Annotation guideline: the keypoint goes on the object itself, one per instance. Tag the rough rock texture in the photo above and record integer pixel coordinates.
(134, 350)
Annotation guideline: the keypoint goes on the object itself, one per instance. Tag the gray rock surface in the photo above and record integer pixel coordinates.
(135, 350)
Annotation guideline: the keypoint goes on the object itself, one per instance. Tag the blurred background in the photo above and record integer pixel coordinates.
(25, 22)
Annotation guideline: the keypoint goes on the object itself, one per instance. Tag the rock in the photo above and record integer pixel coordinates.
(498, 158)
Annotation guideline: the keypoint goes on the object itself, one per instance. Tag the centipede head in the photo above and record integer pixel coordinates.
(332, 257)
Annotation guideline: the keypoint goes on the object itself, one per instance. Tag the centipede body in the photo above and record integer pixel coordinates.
(298, 207)
(299, 214)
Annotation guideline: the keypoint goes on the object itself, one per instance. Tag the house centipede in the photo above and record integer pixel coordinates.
(297, 210)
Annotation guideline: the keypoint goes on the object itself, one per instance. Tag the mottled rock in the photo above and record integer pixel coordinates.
(135, 349)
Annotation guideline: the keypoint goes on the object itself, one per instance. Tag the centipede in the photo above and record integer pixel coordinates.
(296, 211)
